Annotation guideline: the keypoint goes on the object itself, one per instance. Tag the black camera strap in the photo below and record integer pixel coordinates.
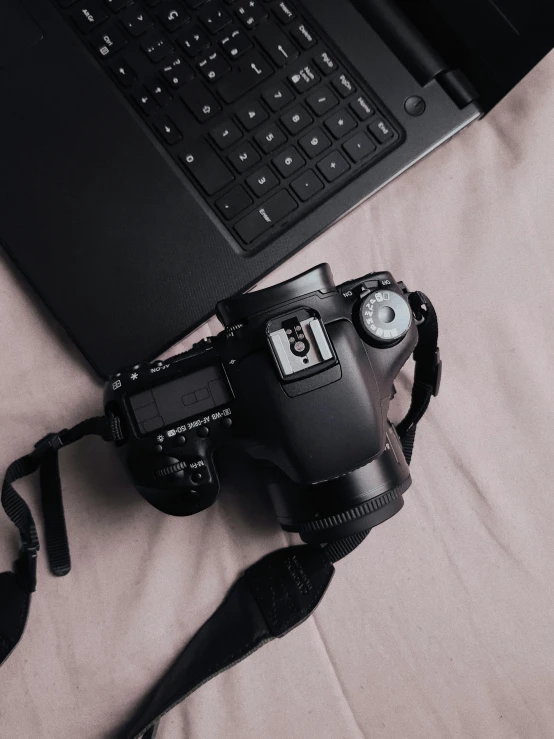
(270, 599)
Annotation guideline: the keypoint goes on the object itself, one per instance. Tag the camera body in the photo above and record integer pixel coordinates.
(300, 379)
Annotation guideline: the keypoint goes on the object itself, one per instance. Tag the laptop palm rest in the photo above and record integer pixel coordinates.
(18, 32)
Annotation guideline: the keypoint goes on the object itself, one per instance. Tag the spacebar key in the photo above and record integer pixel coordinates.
(206, 167)
(252, 70)
(260, 220)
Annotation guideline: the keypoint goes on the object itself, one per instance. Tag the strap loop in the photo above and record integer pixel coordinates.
(26, 566)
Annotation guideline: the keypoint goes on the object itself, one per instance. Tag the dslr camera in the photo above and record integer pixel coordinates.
(300, 379)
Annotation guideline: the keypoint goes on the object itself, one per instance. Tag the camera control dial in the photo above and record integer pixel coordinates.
(385, 316)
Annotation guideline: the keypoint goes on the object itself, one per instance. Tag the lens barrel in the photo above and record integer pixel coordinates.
(347, 505)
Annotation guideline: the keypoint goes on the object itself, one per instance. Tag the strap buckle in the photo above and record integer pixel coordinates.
(51, 442)
(26, 566)
(437, 373)
(418, 304)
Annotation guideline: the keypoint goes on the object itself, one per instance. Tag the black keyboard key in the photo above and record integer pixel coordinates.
(382, 130)
(156, 48)
(123, 73)
(252, 70)
(278, 97)
(176, 72)
(359, 147)
(193, 41)
(303, 35)
(284, 13)
(307, 185)
(136, 21)
(173, 15)
(340, 124)
(252, 116)
(200, 101)
(296, 120)
(114, 5)
(159, 93)
(288, 162)
(270, 138)
(325, 63)
(146, 102)
(333, 166)
(251, 13)
(213, 67)
(193, 4)
(343, 85)
(107, 43)
(322, 101)
(168, 129)
(226, 134)
(315, 143)
(244, 158)
(276, 45)
(267, 215)
(362, 108)
(235, 44)
(305, 78)
(262, 182)
(214, 17)
(206, 167)
(89, 17)
(234, 202)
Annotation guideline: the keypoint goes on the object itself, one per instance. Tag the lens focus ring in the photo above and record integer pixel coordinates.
(365, 509)
(385, 316)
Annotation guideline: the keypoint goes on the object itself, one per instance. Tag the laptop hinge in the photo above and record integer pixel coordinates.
(457, 85)
(414, 50)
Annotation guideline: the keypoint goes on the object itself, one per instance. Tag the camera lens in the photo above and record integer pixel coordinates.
(350, 504)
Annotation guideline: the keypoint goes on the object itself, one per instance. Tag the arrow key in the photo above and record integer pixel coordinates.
(159, 93)
(123, 73)
(146, 102)
(167, 129)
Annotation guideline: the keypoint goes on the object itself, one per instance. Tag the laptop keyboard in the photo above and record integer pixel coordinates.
(250, 100)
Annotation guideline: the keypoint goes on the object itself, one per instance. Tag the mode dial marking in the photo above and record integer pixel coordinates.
(385, 316)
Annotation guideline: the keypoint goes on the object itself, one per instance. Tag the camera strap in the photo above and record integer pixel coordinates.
(271, 597)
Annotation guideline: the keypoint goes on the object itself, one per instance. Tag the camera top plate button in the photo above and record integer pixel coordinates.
(226, 423)
(370, 285)
(203, 432)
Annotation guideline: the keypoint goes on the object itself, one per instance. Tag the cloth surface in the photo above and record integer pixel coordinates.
(440, 626)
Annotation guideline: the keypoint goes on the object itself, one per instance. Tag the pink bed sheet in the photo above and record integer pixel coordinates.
(441, 625)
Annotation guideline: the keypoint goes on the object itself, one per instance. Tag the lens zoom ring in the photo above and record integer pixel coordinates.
(353, 514)
(166, 471)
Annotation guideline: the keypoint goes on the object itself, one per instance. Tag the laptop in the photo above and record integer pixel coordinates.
(158, 156)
